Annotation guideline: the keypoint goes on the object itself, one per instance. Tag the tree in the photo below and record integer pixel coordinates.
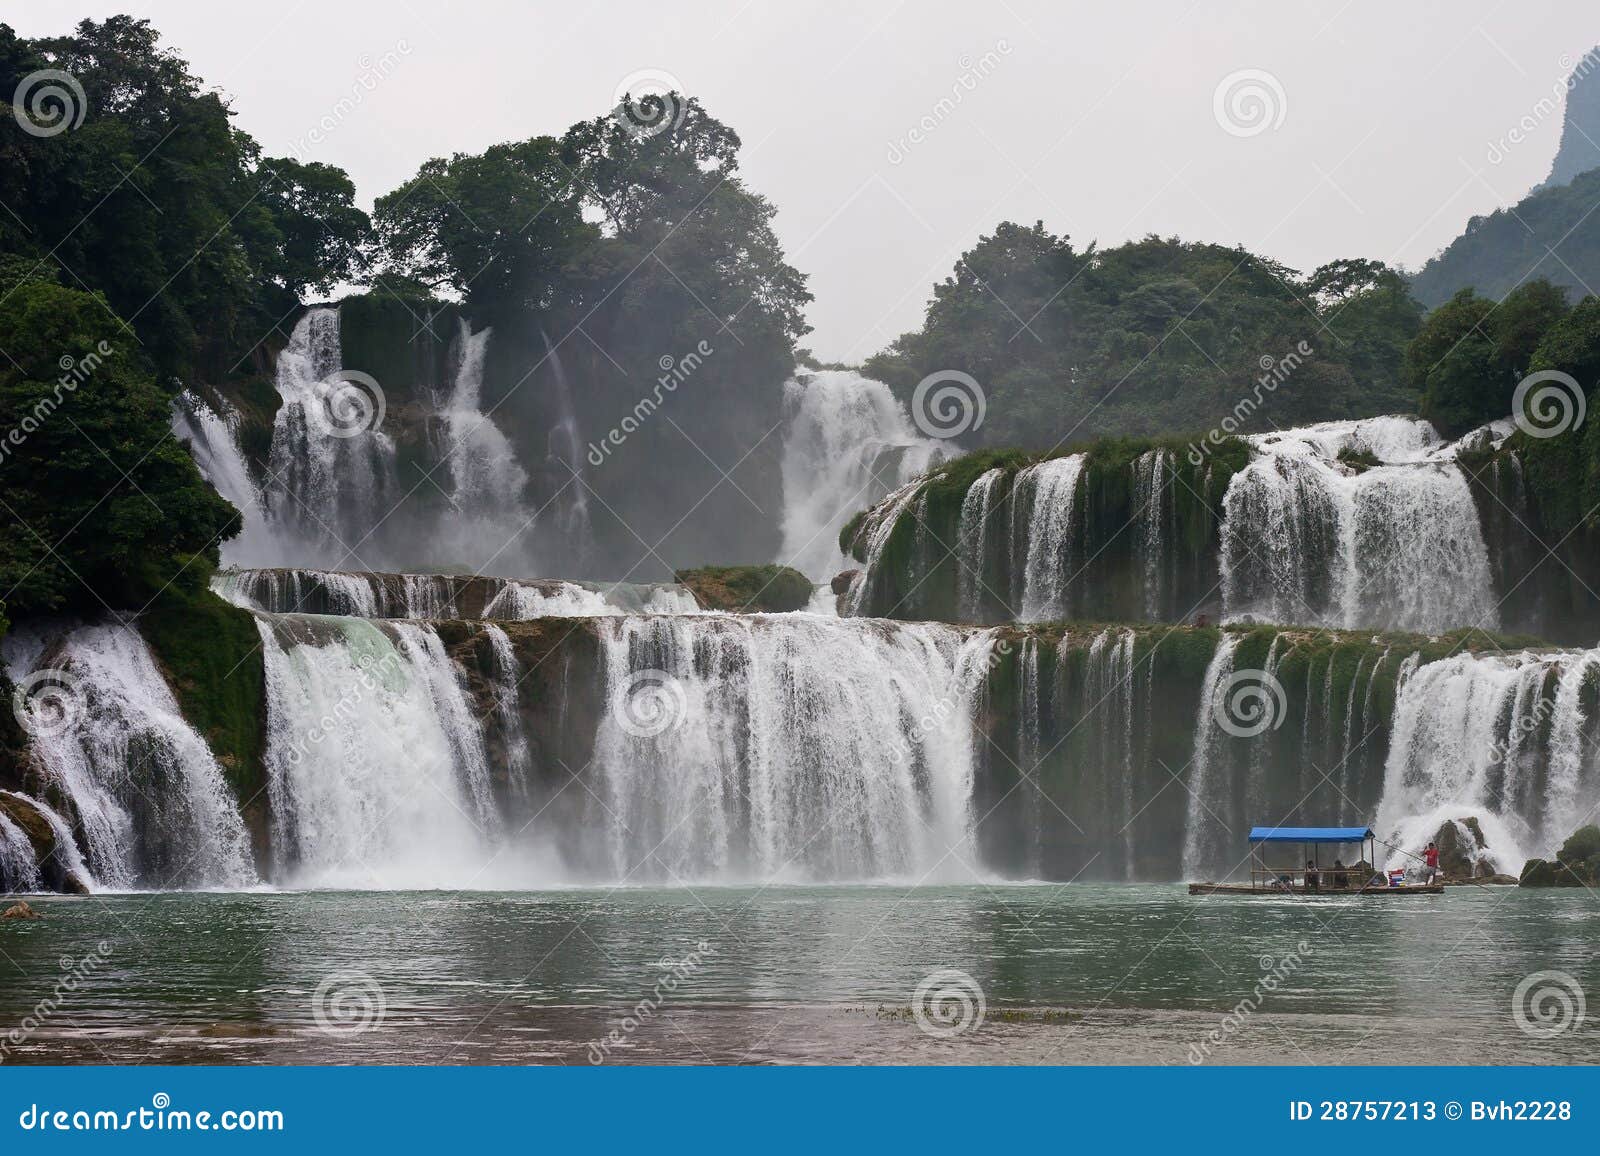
(99, 506)
(309, 234)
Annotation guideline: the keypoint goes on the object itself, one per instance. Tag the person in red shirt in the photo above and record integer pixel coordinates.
(1431, 858)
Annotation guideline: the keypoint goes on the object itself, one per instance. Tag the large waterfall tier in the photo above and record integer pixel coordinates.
(1124, 531)
(363, 473)
(846, 442)
(693, 748)
(1352, 525)
(148, 803)
(367, 594)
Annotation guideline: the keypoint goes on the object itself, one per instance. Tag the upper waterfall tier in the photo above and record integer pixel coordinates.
(846, 443)
(710, 747)
(1372, 524)
(365, 594)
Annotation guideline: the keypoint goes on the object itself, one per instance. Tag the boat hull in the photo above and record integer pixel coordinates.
(1360, 892)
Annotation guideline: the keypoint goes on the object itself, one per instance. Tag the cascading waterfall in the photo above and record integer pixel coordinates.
(1307, 538)
(1150, 473)
(330, 485)
(1047, 491)
(375, 765)
(1205, 833)
(972, 552)
(367, 594)
(487, 483)
(214, 441)
(1460, 745)
(68, 859)
(566, 457)
(508, 709)
(150, 799)
(846, 443)
(19, 869)
(804, 749)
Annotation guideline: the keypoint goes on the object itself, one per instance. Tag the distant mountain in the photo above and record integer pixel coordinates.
(1553, 232)
(1580, 132)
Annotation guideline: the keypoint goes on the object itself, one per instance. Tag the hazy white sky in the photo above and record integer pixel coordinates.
(1097, 118)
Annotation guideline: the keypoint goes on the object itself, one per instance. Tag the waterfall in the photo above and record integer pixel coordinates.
(972, 545)
(376, 773)
(331, 473)
(149, 797)
(68, 860)
(1308, 538)
(1455, 724)
(508, 709)
(1205, 837)
(368, 594)
(19, 869)
(487, 483)
(1574, 768)
(564, 452)
(1150, 471)
(1047, 491)
(795, 749)
(846, 443)
(877, 529)
(214, 442)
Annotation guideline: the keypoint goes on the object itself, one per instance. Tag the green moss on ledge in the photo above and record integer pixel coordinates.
(210, 653)
(767, 589)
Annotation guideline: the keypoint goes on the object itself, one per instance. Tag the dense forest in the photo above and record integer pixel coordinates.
(1153, 337)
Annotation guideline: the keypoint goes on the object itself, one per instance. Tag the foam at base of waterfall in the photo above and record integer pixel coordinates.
(846, 443)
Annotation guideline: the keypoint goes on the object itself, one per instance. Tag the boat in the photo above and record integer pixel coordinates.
(1307, 876)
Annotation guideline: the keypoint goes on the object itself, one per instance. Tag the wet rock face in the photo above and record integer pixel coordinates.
(841, 581)
(1461, 846)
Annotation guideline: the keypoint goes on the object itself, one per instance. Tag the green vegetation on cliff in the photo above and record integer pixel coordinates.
(767, 589)
(210, 653)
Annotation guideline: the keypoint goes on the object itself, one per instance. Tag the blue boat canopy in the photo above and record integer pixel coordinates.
(1310, 834)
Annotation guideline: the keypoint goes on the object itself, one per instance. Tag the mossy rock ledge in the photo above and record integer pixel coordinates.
(769, 589)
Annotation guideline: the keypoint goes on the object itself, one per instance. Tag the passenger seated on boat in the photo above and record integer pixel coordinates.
(1341, 877)
(1313, 876)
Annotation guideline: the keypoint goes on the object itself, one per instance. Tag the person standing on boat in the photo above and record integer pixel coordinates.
(1313, 876)
(1430, 859)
